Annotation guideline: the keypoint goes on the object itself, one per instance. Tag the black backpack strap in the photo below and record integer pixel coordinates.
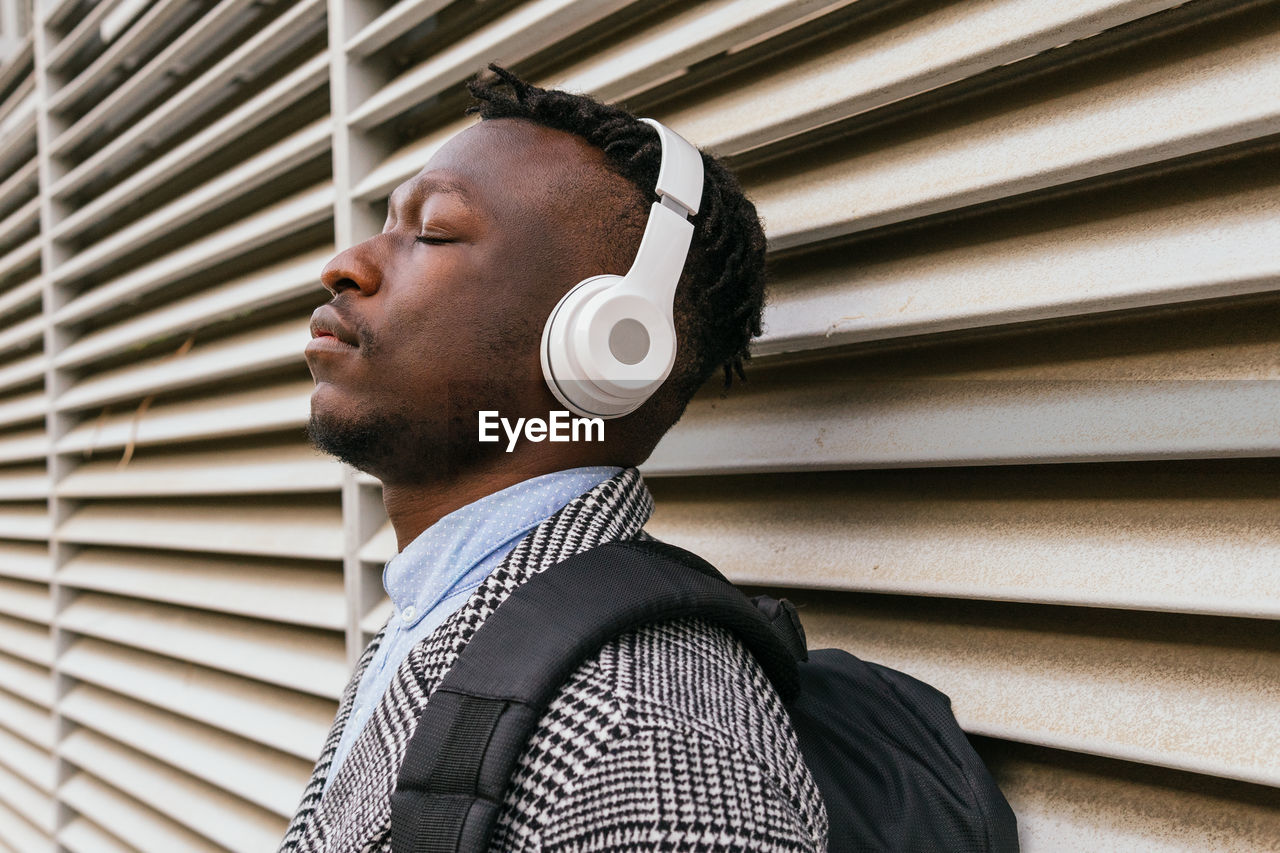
(479, 720)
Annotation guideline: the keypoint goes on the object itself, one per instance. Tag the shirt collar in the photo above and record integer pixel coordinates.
(437, 562)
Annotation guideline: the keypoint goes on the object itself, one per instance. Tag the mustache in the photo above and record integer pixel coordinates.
(367, 340)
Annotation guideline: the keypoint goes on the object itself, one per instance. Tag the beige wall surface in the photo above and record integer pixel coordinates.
(1013, 427)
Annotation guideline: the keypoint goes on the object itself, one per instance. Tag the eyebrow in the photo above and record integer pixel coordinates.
(420, 189)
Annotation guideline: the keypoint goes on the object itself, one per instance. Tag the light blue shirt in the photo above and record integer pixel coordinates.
(436, 573)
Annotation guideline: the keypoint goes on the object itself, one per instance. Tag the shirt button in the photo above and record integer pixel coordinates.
(407, 613)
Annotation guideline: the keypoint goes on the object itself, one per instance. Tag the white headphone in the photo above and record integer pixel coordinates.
(611, 340)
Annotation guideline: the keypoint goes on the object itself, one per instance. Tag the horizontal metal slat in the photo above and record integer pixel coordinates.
(308, 532)
(25, 218)
(22, 639)
(26, 680)
(182, 51)
(26, 562)
(520, 33)
(1221, 245)
(18, 258)
(263, 167)
(24, 445)
(23, 296)
(201, 96)
(382, 546)
(23, 409)
(1137, 117)
(1198, 538)
(220, 817)
(27, 800)
(23, 334)
(82, 835)
(265, 778)
(1069, 803)
(287, 217)
(305, 660)
(22, 183)
(666, 49)
(17, 134)
(223, 359)
(272, 285)
(289, 89)
(21, 835)
(19, 521)
(17, 98)
(1143, 687)
(19, 63)
(125, 53)
(22, 371)
(266, 470)
(83, 33)
(314, 595)
(22, 484)
(393, 23)
(25, 600)
(804, 424)
(275, 407)
(28, 721)
(129, 820)
(295, 723)
(377, 616)
(878, 66)
(33, 765)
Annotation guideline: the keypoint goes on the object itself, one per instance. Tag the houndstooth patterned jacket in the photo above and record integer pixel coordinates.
(672, 738)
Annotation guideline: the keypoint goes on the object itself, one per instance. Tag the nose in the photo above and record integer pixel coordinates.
(356, 267)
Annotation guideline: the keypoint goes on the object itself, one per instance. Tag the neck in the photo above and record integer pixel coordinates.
(413, 507)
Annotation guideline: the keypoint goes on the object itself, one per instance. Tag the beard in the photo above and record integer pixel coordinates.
(400, 447)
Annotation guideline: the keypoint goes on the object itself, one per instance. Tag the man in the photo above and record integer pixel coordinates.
(671, 738)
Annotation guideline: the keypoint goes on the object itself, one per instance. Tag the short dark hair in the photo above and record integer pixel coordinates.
(721, 292)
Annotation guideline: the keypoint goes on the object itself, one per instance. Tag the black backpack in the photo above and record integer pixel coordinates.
(895, 771)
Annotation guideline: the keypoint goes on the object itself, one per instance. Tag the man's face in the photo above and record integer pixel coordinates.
(442, 312)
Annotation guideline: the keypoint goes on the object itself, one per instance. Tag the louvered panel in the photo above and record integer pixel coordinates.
(381, 546)
(22, 371)
(135, 825)
(21, 184)
(222, 359)
(34, 766)
(377, 616)
(790, 421)
(262, 289)
(21, 257)
(312, 662)
(1151, 688)
(273, 223)
(1204, 236)
(207, 35)
(201, 808)
(17, 135)
(263, 777)
(20, 797)
(291, 591)
(22, 483)
(23, 445)
(1133, 111)
(214, 86)
(1066, 804)
(269, 469)
(29, 601)
(90, 32)
(26, 680)
(1195, 538)
(19, 637)
(523, 31)
(18, 65)
(28, 562)
(271, 407)
(395, 21)
(22, 222)
(22, 334)
(306, 144)
(22, 408)
(227, 528)
(303, 81)
(21, 836)
(19, 99)
(24, 521)
(291, 722)
(860, 68)
(30, 722)
(81, 835)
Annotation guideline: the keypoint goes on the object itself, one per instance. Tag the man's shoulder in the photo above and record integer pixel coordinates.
(672, 729)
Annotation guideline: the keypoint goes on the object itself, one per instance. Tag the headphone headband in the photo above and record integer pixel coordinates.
(610, 343)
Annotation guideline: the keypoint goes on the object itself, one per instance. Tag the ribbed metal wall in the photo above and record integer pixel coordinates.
(1013, 426)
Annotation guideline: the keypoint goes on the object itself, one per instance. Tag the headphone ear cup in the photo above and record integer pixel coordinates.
(606, 348)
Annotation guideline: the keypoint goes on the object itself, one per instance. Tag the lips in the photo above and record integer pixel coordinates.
(325, 322)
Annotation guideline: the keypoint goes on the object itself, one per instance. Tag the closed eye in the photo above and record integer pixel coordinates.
(426, 238)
